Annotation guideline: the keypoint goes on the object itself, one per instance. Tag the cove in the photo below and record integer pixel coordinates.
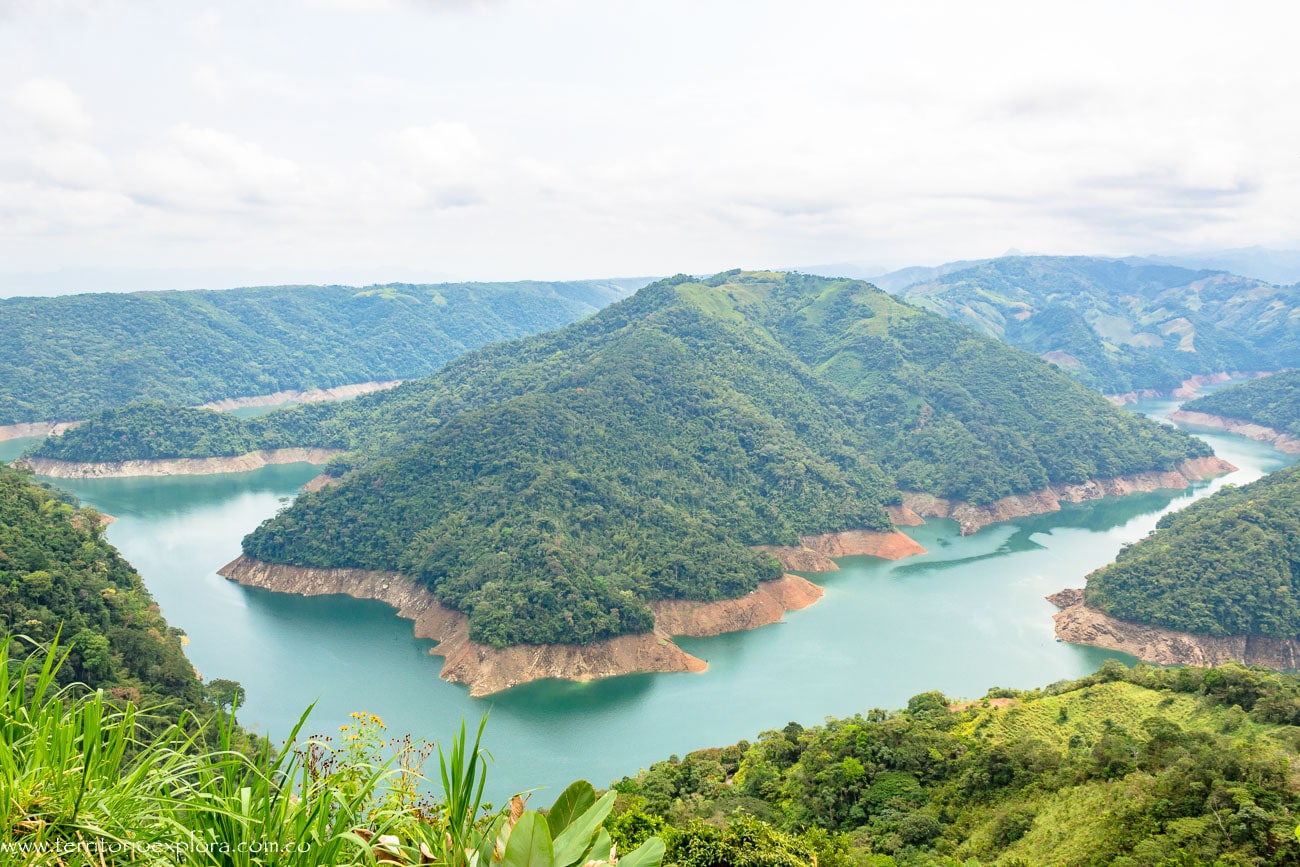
(967, 616)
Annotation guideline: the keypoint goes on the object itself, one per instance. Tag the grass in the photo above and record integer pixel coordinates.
(84, 781)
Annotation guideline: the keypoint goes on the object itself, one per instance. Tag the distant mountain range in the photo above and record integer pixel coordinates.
(1119, 326)
(64, 358)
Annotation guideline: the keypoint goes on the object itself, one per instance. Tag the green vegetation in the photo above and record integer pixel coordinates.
(1273, 401)
(1122, 327)
(66, 358)
(85, 783)
(1129, 767)
(1227, 565)
(550, 487)
(1140, 767)
(156, 431)
(59, 577)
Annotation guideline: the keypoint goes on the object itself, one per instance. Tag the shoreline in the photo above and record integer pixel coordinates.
(176, 466)
(1283, 442)
(1185, 390)
(311, 395)
(487, 670)
(24, 429)
(973, 517)
(814, 553)
(1076, 623)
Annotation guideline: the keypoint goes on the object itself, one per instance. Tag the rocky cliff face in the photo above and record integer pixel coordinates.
(972, 517)
(1079, 624)
(177, 466)
(1280, 441)
(487, 670)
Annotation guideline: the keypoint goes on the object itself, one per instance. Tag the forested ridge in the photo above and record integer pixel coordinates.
(62, 359)
(1273, 401)
(550, 487)
(1226, 565)
(60, 578)
(151, 430)
(1120, 327)
(1142, 767)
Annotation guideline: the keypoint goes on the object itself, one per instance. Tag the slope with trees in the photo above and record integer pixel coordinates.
(65, 358)
(549, 488)
(60, 578)
(1122, 327)
(1127, 767)
(1227, 565)
(1272, 402)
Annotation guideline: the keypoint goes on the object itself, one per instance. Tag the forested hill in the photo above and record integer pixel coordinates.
(550, 486)
(1147, 767)
(1227, 565)
(1121, 327)
(1273, 402)
(59, 578)
(65, 358)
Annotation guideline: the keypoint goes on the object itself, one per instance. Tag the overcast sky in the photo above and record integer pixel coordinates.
(500, 140)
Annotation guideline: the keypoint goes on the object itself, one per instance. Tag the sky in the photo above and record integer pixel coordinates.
(163, 141)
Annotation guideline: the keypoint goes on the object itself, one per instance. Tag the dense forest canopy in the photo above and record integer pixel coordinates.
(65, 358)
(1118, 326)
(1273, 401)
(59, 577)
(1130, 768)
(1227, 565)
(551, 486)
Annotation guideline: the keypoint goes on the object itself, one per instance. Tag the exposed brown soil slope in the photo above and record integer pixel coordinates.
(177, 466)
(1280, 441)
(487, 670)
(1079, 624)
(972, 517)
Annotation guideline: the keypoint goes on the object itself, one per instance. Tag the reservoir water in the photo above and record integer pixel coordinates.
(964, 617)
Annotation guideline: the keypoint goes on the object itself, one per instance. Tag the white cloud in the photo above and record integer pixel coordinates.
(604, 138)
(196, 168)
(440, 164)
(54, 106)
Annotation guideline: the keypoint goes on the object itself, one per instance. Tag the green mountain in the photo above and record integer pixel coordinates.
(1120, 326)
(58, 577)
(551, 486)
(1145, 767)
(65, 358)
(1227, 565)
(1273, 401)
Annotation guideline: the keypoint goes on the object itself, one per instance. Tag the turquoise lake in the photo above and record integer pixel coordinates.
(967, 616)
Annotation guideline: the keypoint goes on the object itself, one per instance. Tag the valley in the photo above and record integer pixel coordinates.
(968, 614)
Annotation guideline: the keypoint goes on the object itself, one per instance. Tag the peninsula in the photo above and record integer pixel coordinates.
(1216, 581)
(682, 449)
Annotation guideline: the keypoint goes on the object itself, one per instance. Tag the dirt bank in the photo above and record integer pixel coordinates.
(487, 670)
(35, 429)
(311, 395)
(814, 553)
(1280, 441)
(177, 466)
(1079, 624)
(1188, 388)
(972, 517)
